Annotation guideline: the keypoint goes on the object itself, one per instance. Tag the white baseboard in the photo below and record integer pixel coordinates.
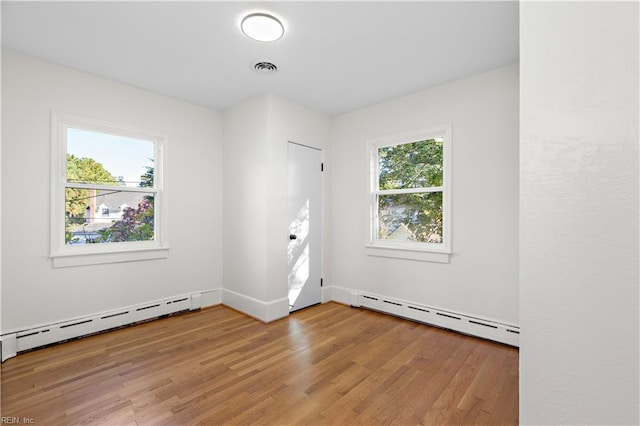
(263, 311)
(343, 295)
(463, 323)
(16, 341)
(326, 294)
(9, 346)
(211, 297)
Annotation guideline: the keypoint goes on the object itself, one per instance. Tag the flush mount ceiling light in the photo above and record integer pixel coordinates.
(262, 27)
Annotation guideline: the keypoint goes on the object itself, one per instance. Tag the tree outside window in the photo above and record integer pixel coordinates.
(98, 205)
(105, 191)
(410, 189)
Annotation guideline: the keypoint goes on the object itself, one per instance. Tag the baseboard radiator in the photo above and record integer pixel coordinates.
(22, 340)
(499, 332)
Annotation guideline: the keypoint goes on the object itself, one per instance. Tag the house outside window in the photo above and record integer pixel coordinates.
(97, 165)
(410, 195)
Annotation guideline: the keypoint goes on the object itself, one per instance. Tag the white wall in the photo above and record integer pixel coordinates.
(256, 134)
(32, 291)
(245, 199)
(290, 122)
(482, 276)
(579, 213)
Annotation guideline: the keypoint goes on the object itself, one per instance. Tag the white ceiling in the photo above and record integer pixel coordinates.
(334, 57)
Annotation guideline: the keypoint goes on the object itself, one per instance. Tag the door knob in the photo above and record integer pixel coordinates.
(293, 236)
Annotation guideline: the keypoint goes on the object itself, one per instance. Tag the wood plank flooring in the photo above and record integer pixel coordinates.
(328, 364)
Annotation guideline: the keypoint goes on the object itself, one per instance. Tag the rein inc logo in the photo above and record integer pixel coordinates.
(16, 420)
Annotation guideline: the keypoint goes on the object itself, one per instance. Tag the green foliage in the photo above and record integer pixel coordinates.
(419, 215)
(146, 180)
(411, 165)
(69, 238)
(83, 170)
(413, 217)
(135, 224)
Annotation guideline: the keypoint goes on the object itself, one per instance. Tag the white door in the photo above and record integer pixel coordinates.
(304, 211)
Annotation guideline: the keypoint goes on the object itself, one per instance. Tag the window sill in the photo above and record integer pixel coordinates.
(85, 259)
(407, 253)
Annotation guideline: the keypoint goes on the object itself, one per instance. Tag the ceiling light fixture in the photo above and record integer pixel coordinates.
(262, 27)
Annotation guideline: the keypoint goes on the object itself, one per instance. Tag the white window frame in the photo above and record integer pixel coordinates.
(88, 254)
(409, 249)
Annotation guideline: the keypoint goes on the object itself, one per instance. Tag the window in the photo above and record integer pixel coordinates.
(95, 166)
(410, 195)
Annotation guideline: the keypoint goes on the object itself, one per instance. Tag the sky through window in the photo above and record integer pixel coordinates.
(120, 156)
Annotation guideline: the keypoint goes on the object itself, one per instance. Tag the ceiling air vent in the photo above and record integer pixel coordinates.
(265, 67)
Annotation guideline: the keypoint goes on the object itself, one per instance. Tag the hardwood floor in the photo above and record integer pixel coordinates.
(328, 364)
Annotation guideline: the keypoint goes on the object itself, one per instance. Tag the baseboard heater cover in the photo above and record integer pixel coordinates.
(19, 341)
(479, 327)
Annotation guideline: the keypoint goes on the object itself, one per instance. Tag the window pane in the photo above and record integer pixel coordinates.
(411, 165)
(103, 159)
(98, 216)
(410, 217)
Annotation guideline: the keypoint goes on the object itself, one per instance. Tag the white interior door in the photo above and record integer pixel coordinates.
(304, 211)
